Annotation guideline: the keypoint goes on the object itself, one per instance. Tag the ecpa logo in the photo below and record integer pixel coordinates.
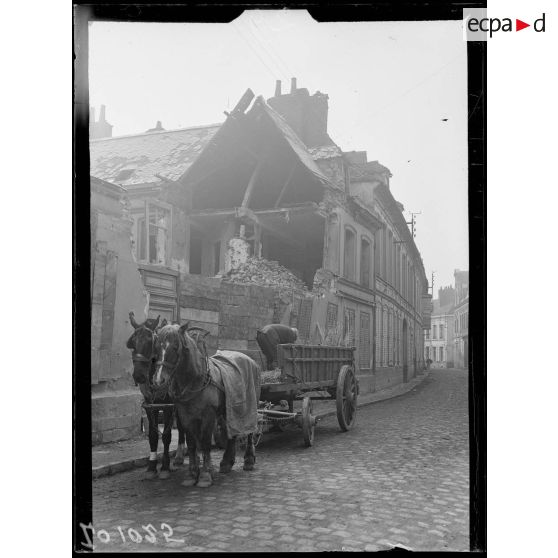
(477, 26)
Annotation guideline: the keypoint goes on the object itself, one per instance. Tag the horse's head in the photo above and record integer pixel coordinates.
(145, 347)
(181, 345)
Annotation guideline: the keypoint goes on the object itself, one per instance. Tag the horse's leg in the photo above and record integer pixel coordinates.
(229, 456)
(206, 433)
(249, 454)
(193, 471)
(152, 417)
(168, 416)
(180, 450)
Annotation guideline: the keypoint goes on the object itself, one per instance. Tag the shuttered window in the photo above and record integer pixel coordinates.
(364, 340)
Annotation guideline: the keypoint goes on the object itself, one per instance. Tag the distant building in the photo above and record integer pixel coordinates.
(439, 342)
(461, 318)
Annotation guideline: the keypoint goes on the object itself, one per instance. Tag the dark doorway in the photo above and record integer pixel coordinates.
(195, 251)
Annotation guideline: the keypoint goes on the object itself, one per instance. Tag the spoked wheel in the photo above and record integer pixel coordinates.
(347, 392)
(308, 422)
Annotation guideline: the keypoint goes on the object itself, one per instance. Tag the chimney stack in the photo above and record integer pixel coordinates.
(293, 85)
(278, 88)
(101, 128)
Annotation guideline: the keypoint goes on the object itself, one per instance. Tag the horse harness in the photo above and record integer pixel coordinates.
(186, 394)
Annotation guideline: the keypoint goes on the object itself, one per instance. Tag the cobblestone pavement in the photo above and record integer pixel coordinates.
(400, 476)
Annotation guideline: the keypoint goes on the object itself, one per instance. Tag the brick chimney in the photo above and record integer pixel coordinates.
(306, 114)
(101, 128)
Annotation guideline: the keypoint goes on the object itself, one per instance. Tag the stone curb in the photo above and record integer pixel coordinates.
(364, 400)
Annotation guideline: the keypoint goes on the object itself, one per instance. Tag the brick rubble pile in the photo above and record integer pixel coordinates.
(265, 273)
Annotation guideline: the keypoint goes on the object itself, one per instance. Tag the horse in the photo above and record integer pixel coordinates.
(197, 387)
(145, 346)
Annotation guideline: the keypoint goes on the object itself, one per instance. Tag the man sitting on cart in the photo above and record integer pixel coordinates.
(269, 336)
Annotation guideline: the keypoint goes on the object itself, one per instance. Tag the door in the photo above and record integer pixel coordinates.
(162, 286)
(405, 351)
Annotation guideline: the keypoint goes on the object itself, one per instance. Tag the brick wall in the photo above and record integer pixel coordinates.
(231, 312)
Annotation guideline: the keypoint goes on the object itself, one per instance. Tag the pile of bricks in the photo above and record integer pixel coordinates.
(265, 273)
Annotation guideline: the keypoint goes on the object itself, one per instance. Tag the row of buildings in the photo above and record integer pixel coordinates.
(259, 219)
(447, 340)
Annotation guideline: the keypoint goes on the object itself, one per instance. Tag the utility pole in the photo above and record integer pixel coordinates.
(412, 222)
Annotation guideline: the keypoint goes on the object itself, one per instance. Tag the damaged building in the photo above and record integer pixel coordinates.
(262, 219)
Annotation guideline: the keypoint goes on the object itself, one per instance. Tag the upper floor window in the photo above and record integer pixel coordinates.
(365, 262)
(434, 332)
(349, 254)
(154, 239)
(441, 331)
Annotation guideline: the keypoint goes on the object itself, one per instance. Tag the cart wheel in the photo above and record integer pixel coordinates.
(346, 398)
(308, 422)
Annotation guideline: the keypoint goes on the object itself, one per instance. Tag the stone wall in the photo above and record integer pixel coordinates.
(231, 312)
(116, 288)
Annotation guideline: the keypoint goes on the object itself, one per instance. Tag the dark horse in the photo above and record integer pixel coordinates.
(146, 349)
(198, 391)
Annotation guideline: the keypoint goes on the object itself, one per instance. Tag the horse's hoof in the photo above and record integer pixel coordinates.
(225, 468)
(189, 482)
(163, 475)
(205, 483)
(178, 461)
(248, 466)
(150, 475)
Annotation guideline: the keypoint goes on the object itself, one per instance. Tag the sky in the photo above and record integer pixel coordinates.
(397, 90)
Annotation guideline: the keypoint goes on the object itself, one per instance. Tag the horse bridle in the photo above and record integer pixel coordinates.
(138, 357)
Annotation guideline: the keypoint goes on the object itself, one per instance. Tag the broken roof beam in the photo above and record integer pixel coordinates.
(252, 183)
(285, 186)
(244, 213)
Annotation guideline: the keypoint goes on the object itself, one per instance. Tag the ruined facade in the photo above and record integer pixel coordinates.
(263, 219)
(116, 287)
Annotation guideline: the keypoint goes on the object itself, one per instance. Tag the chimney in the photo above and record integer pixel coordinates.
(305, 114)
(101, 128)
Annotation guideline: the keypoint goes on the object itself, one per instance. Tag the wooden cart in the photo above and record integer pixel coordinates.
(309, 372)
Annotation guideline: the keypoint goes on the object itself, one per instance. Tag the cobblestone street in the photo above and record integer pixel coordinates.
(400, 476)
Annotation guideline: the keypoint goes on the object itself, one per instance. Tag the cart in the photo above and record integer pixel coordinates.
(308, 372)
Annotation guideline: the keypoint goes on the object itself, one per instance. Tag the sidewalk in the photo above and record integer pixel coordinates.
(115, 457)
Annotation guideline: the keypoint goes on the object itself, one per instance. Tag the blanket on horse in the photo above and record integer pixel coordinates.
(240, 376)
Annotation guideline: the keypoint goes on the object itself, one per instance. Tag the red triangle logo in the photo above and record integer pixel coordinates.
(519, 25)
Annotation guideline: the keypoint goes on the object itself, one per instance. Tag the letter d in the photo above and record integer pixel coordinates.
(541, 19)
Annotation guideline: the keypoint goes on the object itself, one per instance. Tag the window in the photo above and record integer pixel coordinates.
(364, 340)
(349, 327)
(365, 262)
(216, 257)
(434, 354)
(434, 332)
(441, 331)
(441, 354)
(427, 333)
(349, 255)
(154, 240)
(427, 352)
(389, 262)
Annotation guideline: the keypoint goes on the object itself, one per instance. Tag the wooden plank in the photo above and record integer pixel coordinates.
(251, 184)
(285, 186)
(109, 298)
